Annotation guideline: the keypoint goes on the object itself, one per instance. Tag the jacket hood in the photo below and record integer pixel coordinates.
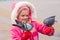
(17, 6)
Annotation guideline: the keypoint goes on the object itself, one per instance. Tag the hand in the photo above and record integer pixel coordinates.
(47, 30)
(26, 35)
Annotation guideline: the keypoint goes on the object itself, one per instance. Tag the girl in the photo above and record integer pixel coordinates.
(23, 27)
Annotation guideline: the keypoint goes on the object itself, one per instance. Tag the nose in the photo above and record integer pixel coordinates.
(25, 17)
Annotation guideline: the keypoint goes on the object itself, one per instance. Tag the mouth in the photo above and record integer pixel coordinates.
(25, 20)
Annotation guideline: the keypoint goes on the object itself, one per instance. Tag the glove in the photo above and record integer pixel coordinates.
(26, 35)
(47, 30)
(49, 21)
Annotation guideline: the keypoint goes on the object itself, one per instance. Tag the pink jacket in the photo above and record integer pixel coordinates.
(16, 31)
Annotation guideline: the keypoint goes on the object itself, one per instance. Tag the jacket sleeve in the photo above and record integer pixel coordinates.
(15, 34)
(45, 29)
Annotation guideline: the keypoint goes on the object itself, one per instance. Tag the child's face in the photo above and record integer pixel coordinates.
(24, 15)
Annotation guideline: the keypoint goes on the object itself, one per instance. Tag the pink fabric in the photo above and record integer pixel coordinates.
(16, 31)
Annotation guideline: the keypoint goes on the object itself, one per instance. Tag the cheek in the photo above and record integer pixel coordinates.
(20, 18)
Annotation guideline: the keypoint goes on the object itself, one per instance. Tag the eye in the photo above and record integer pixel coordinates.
(22, 15)
(26, 15)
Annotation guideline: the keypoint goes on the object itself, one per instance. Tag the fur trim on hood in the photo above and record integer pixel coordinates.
(17, 6)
